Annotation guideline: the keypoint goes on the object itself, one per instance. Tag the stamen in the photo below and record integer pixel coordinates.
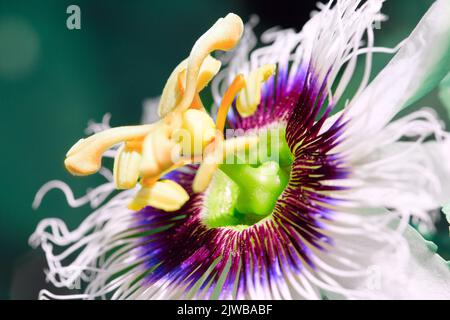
(158, 152)
(84, 158)
(175, 86)
(237, 84)
(208, 70)
(211, 160)
(250, 97)
(223, 35)
(127, 164)
(166, 195)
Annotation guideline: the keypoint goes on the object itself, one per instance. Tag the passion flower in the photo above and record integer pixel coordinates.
(322, 212)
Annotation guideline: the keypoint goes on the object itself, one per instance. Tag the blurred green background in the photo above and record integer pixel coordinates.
(53, 80)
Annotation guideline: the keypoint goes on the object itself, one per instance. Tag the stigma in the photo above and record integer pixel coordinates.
(185, 134)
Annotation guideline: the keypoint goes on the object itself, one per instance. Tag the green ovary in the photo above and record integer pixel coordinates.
(246, 191)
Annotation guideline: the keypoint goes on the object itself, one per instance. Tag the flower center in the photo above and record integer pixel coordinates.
(246, 190)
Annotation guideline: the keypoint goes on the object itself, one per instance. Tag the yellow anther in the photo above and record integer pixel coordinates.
(223, 35)
(176, 84)
(85, 156)
(159, 151)
(197, 131)
(210, 67)
(166, 195)
(215, 154)
(127, 164)
(209, 165)
(250, 97)
(227, 99)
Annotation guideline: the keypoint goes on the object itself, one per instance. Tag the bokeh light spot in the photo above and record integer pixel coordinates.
(19, 48)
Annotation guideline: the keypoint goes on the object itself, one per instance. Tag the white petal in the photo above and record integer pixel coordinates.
(418, 67)
(389, 264)
(424, 276)
(411, 178)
